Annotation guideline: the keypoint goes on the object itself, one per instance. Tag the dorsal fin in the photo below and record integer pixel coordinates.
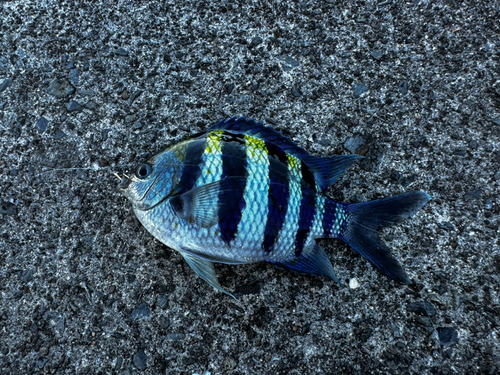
(326, 170)
(258, 130)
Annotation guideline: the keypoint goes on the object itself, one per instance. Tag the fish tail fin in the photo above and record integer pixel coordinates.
(363, 220)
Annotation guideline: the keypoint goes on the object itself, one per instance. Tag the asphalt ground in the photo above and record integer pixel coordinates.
(92, 88)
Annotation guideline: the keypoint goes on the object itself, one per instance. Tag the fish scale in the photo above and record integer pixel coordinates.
(211, 167)
(286, 239)
(242, 193)
(252, 226)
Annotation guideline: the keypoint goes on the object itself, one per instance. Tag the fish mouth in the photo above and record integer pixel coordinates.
(123, 185)
(139, 204)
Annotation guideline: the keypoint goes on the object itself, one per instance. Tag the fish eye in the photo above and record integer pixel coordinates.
(143, 171)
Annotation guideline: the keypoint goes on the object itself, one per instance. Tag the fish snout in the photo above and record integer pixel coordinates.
(123, 185)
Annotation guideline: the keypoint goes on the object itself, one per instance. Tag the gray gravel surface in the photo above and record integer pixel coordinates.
(91, 88)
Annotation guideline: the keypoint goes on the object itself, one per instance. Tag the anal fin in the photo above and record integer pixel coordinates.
(313, 261)
(204, 269)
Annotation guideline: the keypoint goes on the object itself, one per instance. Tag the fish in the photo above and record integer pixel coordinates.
(241, 193)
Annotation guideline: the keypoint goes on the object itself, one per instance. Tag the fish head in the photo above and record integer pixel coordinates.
(153, 181)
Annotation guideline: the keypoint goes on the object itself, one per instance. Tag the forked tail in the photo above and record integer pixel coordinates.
(363, 220)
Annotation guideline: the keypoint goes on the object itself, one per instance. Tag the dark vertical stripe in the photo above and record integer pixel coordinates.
(276, 152)
(191, 170)
(307, 209)
(307, 175)
(231, 200)
(329, 217)
(278, 195)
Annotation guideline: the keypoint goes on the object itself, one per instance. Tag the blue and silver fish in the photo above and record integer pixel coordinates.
(242, 193)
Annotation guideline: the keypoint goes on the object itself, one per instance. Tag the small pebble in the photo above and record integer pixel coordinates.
(296, 93)
(352, 144)
(7, 208)
(360, 89)
(395, 175)
(447, 335)
(403, 87)
(140, 312)
(118, 363)
(446, 225)
(424, 321)
(87, 92)
(41, 124)
(121, 52)
(138, 125)
(288, 63)
(488, 204)
(73, 106)
(475, 194)
(81, 174)
(27, 275)
(422, 307)
(162, 301)
(60, 89)
(60, 134)
(74, 76)
(40, 363)
(6, 83)
(256, 41)
(353, 283)
(134, 96)
(141, 360)
(105, 133)
(377, 55)
(164, 322)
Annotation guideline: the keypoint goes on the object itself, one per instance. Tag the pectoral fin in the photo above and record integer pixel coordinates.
(199, 205)
(313, 261)
(205, 270)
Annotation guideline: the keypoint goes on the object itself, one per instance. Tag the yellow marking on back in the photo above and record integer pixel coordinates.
(213, 141)
(255, 144)
(293, 162)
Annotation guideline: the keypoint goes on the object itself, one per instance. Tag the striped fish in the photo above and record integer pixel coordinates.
(242, 193)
